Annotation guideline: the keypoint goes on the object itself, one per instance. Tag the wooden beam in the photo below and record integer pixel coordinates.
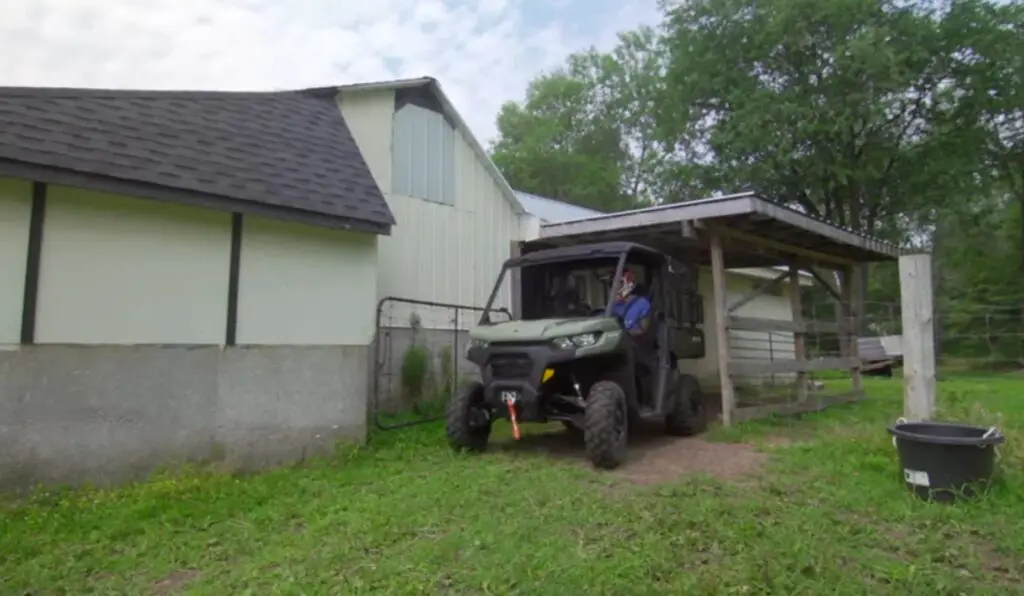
(720, 296)
(918, 337)
(785, 249)
(759, 291)
(825, 283)
(799, 348)
(814, 404)
(688, 229)
(757, 324)
(849, 338)
(752, 368)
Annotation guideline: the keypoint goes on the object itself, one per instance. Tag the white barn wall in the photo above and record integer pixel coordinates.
(15, 212)
(116, 383)
(436, 252)
(122, 270)
(300, 285)
(744, 344)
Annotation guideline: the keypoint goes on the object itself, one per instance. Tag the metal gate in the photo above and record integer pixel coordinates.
(419, 358)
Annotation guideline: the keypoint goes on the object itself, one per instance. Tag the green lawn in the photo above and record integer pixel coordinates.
(828, 514)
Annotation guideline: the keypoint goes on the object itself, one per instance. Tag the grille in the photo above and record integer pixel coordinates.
(510, 366)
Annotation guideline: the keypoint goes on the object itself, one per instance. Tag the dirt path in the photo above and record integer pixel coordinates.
(653, 457)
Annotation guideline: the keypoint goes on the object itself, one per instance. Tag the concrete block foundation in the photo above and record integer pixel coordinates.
(107, 414)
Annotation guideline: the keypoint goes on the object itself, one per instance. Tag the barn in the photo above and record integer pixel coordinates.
(234, 276)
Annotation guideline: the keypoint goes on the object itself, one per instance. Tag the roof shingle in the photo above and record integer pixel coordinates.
(289, 150)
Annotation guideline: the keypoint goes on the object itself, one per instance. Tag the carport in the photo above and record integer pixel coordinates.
(742, 231)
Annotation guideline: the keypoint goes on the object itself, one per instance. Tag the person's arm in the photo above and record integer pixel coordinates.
(639, 321)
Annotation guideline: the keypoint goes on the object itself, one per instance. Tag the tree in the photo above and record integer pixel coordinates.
(558, 144)
(849, 110)
(586, 133)
(837, 107)
(627, 83)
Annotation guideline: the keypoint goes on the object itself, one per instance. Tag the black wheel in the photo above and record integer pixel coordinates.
(687, 415)
(467, 421)
(605, 425)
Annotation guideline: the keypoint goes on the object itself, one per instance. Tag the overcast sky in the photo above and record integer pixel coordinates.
(482, 51)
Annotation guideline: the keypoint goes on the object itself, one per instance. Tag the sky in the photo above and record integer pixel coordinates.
(482, 51)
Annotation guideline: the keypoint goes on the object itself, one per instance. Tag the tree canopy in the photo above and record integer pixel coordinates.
(896, 118)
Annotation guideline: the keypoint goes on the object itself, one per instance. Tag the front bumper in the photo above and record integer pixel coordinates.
(517, 370)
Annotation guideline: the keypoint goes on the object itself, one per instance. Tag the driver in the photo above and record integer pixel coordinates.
(632, 309)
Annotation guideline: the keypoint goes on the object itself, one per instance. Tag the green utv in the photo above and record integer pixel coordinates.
(568, 357)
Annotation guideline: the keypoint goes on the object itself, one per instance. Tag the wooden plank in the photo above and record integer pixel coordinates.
(758, 324)
(751, 368)
(918, 337)
(799, 351)
(760, 290)
(814, 404)
(825, 283)
(720, 296)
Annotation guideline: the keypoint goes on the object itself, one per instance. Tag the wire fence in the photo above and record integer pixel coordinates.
(982, 338)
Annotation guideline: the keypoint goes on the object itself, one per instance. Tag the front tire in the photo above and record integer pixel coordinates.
(688, 415)
(467, 421)
(605, 425)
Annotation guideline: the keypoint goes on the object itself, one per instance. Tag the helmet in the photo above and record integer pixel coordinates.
(627, 283)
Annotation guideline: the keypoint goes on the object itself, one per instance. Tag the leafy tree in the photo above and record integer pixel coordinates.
(839, 107)
(586, 133)
(558, 144)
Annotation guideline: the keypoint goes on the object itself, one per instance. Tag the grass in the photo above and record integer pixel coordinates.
(829, 515)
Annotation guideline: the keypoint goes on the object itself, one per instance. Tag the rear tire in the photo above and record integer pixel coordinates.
(687, 415)
(467, 421)
(605, 425)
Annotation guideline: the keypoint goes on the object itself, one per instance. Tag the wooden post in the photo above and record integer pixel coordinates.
(799, 343)
(721, 298)
(850, 329)
(918, 337)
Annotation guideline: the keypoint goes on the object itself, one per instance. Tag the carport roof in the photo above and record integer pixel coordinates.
(757, 232)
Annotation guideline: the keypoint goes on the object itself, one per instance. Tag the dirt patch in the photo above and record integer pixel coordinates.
(653, 457)
(173, 582)
(671, 459)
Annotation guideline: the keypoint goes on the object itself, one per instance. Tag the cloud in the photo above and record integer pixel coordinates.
(483, 51)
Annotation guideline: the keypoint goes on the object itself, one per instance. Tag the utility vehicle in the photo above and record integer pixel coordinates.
(565, 357)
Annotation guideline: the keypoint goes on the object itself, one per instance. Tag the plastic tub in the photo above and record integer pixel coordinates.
(942, 461)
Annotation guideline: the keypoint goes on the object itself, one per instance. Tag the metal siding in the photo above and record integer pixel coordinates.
(424, 147)
(369, 116)
(448, 253)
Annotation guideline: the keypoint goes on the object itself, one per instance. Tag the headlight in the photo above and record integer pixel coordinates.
(564, 343)
(475, 343)
(583, 340)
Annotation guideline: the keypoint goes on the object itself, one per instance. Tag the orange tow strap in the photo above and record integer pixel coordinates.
(515, 421)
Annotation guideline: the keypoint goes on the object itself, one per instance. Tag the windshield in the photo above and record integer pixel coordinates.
(570, 289)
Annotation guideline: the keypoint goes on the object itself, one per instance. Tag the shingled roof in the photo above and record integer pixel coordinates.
(287, 155)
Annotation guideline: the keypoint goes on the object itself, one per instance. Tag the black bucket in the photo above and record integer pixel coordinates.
(942, 461)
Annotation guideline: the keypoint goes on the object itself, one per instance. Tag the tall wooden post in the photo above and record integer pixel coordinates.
(721, 298)
(799, 334)
(918, 337)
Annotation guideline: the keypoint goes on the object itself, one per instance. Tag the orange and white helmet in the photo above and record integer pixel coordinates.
(627, 283)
